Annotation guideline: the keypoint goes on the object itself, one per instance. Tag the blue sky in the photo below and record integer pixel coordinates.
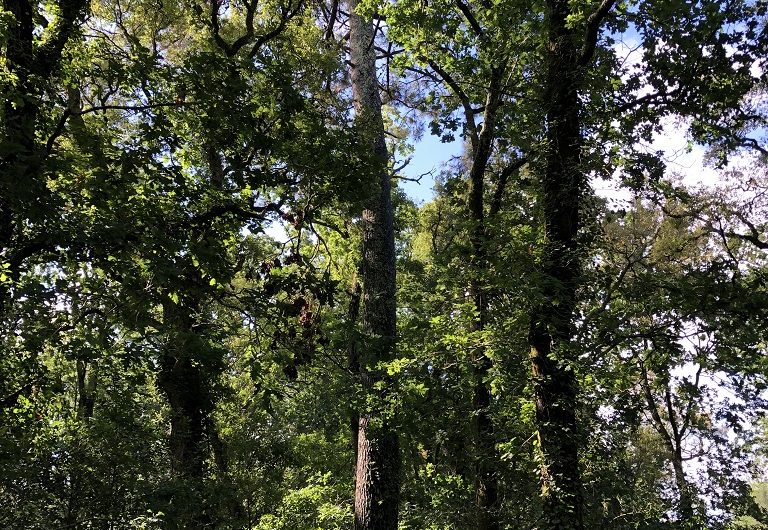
(429, 155)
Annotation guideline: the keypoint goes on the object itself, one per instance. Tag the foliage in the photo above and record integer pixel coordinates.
(181, 187)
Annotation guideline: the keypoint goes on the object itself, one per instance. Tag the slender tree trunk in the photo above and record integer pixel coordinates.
(686, 513)
(377, 484)
(87, 377)
(486, 461)
(685, 499)
(672, 434)
(555, 387)
(486, 464)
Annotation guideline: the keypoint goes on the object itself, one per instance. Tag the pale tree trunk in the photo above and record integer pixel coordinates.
(685, 497)
(377, 482)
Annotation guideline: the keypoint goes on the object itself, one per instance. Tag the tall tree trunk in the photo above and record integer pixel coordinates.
(377, 484)
(187, 387)
(486, 462)
(555, 387)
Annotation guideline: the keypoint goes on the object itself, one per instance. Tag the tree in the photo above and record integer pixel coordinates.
(670, 296)
(185, 260)
(377, 481)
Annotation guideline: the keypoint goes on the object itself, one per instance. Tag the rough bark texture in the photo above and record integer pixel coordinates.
(552, 321)
(377, 483)
(183, 384)
(187, 386)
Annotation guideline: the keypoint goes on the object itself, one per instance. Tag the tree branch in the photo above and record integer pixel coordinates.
(332, 20)
(11, 399)
(215, 28)
(659, 423)
(594, 22)
(285, 16)
(498, 193)
(689, 408)
(469, 113)
(250, 11)
(464, 8)
(48, 56)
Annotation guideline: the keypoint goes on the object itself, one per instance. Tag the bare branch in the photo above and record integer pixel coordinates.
(332, 20)
(658, 422)
(689, 408)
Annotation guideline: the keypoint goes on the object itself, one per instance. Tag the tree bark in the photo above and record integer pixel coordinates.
(555, 387)
(685, 498)
(377, 484)
(486, 476)
(187, 386)
(182, 383)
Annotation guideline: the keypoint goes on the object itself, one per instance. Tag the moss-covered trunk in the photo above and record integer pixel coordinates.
(552, 359)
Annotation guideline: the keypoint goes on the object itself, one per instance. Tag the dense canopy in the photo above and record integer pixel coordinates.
(232, 296)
